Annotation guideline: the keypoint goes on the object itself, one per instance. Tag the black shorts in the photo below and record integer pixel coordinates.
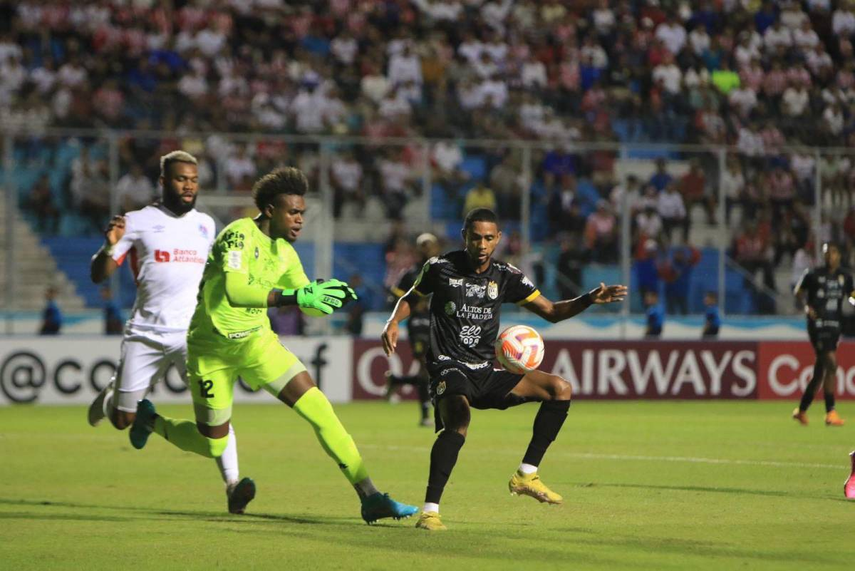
(823, 338)
(484, 387)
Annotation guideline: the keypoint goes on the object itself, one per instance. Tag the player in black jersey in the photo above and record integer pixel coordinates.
(418, 330)
(823, 291)
(468, 288)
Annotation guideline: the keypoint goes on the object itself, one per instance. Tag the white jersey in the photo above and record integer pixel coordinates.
(167, 257)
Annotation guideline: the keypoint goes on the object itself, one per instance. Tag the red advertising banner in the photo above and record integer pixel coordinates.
(650, 369)
(786, 367)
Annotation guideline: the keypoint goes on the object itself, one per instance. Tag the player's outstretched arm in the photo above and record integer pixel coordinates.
(325, 296)
(561, 310)
(390, 332)
(103, 265)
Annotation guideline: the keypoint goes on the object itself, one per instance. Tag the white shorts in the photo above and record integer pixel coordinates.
(144, 361)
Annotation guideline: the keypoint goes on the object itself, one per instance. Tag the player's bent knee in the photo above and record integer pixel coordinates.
(217, 446)
(560, 389)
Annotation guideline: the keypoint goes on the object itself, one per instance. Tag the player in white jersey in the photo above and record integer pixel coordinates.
(167, 244)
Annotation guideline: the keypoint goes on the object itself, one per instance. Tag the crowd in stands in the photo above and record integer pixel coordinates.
(756, 75)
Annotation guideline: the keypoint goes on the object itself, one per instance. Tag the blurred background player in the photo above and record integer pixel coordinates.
(418, 330)
(51, 315)
(113, 322)
(467, 289)
(253, 266)
(168, 243)
(712, 319)
(823, 291)
(655, 315)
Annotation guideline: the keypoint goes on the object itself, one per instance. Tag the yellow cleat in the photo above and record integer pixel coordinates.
(530, 485)
(833, 419)
(800, 416)
(430, 521)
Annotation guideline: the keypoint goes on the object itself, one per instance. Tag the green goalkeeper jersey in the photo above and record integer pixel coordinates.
(242, 248)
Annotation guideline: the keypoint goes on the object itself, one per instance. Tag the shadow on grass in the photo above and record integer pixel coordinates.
(707, 489)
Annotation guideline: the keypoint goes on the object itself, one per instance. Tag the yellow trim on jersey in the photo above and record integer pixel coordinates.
(398, 292)
(534, 295)
(420, 294)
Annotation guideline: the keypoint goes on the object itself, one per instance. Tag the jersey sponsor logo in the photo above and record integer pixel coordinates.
(450, 308)
(474, 313)
(476, 290)
(235, 259)
(203, 230)
(527, 282)
(443, 358)
(440, 388)
(492, 290)
(234, 240)
(161, 256)
(455, 282)
(476, 366)
(470, 335)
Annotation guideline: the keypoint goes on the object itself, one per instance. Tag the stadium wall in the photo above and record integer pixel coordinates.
(42, 370)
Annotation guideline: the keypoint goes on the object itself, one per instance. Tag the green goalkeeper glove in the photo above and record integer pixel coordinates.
(323, 296)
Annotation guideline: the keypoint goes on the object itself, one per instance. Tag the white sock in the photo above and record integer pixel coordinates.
(429, 507)
(228, 462)
(365, 488)
(527, 469)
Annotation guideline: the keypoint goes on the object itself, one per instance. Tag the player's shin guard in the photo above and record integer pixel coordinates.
(443, 457)
(185, 435)
(547, 424)
(810, 391)
(317, 410)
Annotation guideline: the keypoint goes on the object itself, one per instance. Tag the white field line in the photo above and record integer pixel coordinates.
(627, 457)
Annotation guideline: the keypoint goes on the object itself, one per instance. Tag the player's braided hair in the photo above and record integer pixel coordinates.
(285, 180)
(479, 215)
(175, 157)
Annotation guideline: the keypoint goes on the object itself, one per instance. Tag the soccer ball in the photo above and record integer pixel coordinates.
(519, 349)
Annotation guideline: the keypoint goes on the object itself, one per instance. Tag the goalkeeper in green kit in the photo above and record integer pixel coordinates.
(252, 266)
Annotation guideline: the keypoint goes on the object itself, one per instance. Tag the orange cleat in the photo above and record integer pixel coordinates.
(833, 419)
(849, 486)
(801, 416)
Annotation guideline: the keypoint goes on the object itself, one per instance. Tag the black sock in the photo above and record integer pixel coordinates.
(829, 402)
(443, 457)
(810, 391)
(547, 424)
(424, 399)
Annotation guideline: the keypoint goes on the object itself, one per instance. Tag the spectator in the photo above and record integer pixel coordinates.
(661, 177)
(733, 182)
(630, 191)
(752, 251)
(655, 315)
(134, 189)
(346, 178)
(506, 183)
(677, 275)
(356, 309)
(114, 324)
(649, 223)
(240, 170)
(712, 319)
(601, 234)
(694, 191)
(569, 267)
(51, 315)
(479, 196)
(41, 203)
(672, 211)
(395, 182)
(447, 160)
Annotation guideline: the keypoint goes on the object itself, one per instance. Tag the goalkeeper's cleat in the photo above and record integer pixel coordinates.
(430, 521)
(849, 486)
(833, 419)
(142, 427)
(530, 485)
(96, 410)
(240, 495)
(800, 416)
(379, 506)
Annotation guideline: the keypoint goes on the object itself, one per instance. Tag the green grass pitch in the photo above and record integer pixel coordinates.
(667, 485)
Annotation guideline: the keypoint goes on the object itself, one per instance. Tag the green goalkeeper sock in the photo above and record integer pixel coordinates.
(185, 435)
(317, 410)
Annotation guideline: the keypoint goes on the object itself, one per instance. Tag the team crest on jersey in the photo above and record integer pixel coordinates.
(492, 290)
(440, 388)
(476, 290)
(450, 308)
(455, 282)
(203, 231)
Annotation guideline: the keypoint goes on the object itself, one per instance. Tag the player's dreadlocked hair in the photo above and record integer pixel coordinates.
(285, 180)
(479, 215)
(175, 157)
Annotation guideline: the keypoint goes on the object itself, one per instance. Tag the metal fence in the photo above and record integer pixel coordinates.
(564, 222)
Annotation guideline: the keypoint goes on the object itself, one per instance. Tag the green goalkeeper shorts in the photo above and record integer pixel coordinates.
(213, 368)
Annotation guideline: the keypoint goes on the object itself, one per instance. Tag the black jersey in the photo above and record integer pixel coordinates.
(464, 310)
(825, 292)
(418, 325)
